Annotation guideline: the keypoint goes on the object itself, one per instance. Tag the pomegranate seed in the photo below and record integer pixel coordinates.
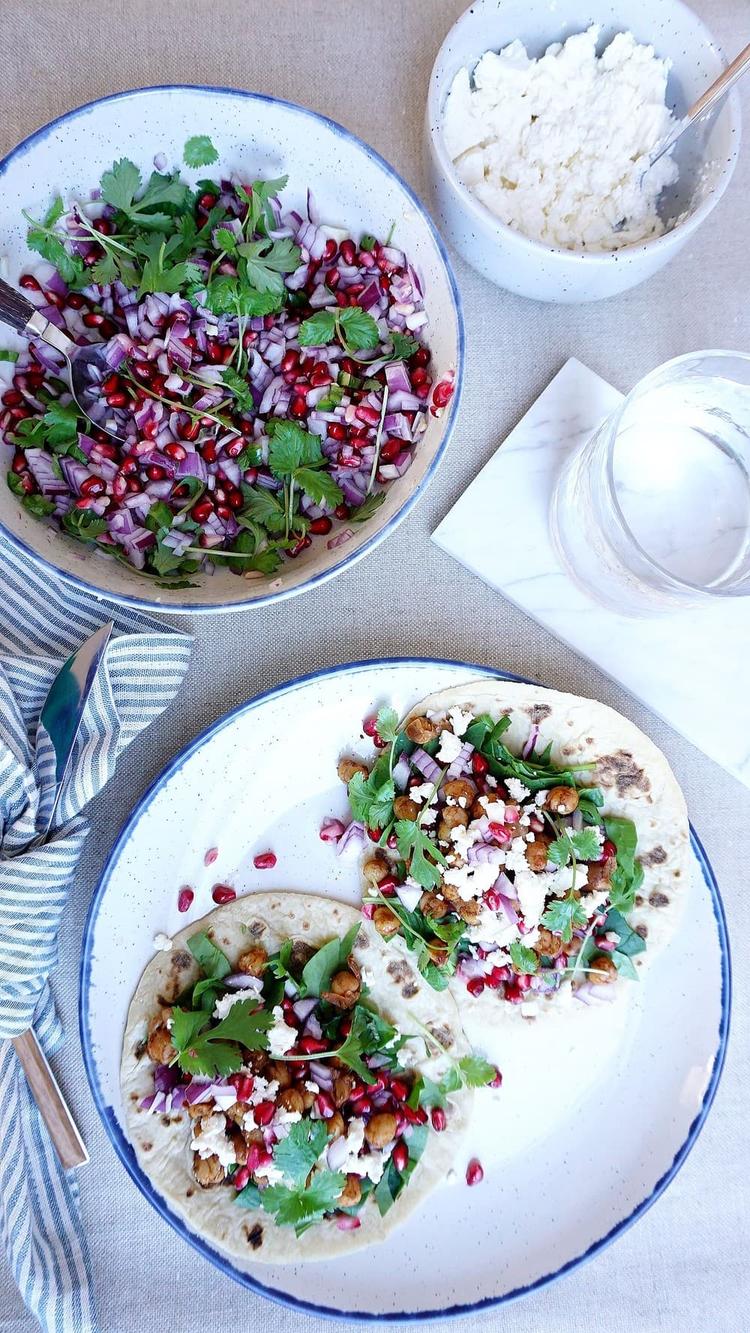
(497, 1080)
(105, 449)
(414, 1114)
(235, 447)
(207, 201)
(76, 301)
(512, 814)
(443, 393)
(129, 466)
(400, 1156)
(419, 375)
(298, 406)
(492, 900)
(499, 833)
(300, 546)
(201, 510)
(370, 726)
(475, 986)
(378, 1086)
(223, 893)
(243, 1085)
(28, 484)
(389, 449)
(241, 1177)
(134, 486)
(474, 1172)
(320, 376)
(368, 910)
(190, 432)
(364, 1105)
(438, 1118)
(85, 502)
(19, 463)
(513, 993)
(92, 320)
(223, 512)
(14, 399)
(347, 1221)
(348, 251)
(185, 898)
(93, 256)
(312, 1046)
(324, 1106)
(374, 834)
(357, 1093)
(479, 764)
(319, 526)
(29, 283)
(608, 850)
(103, 226)
(367, 414)
(342, 511)
(348, 366)
(392, 841)
(92, 486)
(175, 451)
(155, 473)
(289, 361)
(422, 356)
(111, 384)
(387, 886)
(335, 429)
(399, 1089)
(264, 1113)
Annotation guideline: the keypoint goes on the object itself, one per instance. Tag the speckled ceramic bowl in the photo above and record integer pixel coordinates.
(257, 136)
(706, 156)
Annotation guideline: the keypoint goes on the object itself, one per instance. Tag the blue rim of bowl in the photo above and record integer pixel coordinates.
(449, 421)
(125, 1151)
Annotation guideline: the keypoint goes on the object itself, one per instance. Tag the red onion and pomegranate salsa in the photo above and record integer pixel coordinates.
(300, 1096)
(498, 868)
(269, 374)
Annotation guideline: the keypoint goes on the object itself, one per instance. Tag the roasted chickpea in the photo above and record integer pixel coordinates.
(348, 767)
(335, 1127)
(451, 817)
(281, 1072)
(601, 969)
(405, 808)
(253, 961)
(375, 869)
(438, 952)
(343, 1085)
(292, 1100)
(301, 954)
(477, 809)
(459, 789)
(537, 852)
(599, 874)
(237, 1140)
(345, 986)
(236, 1112)
(308, 1098)
(159, 1045)
(380, 1129)
(257, 1061)
(385, 922)
(199, 1110)
(468, 911)
(562, 800)
(253, 1136)
(433, 906)
(421, 730)
(548, 944)
(208, 1171)
(351, 1193)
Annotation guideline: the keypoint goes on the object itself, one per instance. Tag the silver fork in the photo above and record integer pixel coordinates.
(87, 365)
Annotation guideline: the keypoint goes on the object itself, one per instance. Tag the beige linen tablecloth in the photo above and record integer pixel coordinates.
(367, 64)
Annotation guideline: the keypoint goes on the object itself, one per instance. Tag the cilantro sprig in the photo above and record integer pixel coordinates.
(355, 329)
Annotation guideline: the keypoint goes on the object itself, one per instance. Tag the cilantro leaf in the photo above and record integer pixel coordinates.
(403, 346)
(61, 422)
(358, 330)
(301, 1207)
(371, 799)
(387, 724)
(586, 844)
(263, 507)
(319, 486)
(240, 388)
(186, 1025)
(475, 1071)
(219, 1050)
(297, 1154)
(84, 524)
(368, 507)
(562, 915)
(291, 448)
(38, 505)
(226, 240)
(524, 960)
(318, 330)
(330, 958)
(360, 1040)
(425, 856)
(51, 247)
(212, 961)
(120, 185)
(227, 296)
(199, 152)
(265, 262)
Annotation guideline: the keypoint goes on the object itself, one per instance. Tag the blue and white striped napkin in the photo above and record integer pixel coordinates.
(40, 625)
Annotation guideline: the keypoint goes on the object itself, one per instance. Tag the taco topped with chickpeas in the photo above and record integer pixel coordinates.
(292, 1087)
(519, 841)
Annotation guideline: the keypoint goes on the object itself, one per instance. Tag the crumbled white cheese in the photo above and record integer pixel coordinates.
(532, 890)
(412, 1053)
(222, 1006)
(515, 856)
(162, 942)
(283, 1120)
(422, 792)
(472, 881)
(492, 928)
(540, 798)
(281, 1037)
(565, 878)
(311, 1085)
(429, 817)
(212, 1140)
(516, 789)
(263, 1091)
(464, 838)
(494, 810)
(459, 720)
(450, 747)
(270, 1172)
(557, 147)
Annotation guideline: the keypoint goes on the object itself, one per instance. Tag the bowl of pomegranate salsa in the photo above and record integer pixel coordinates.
(287, 1093)
(284, 348)
(529, 847)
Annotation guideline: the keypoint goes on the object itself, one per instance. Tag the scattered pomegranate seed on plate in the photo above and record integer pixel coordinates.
(264, 861)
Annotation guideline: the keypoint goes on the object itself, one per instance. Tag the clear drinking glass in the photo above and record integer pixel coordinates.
(652, 513)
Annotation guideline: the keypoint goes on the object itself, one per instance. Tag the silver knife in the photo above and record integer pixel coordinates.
(58, 726)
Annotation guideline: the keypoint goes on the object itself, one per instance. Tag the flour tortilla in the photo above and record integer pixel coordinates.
(161, 1142)
(633, 774)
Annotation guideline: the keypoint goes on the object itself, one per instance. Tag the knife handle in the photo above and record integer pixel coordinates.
(68, 1143)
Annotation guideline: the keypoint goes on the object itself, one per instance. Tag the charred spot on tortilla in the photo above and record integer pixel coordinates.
(639, 900)
(409, 990)
(442, 1033)
(656, 857)
(621, 771)
(180, 959)
(256, 929)
(538, 712)
(400, 971)
(147, 1147)
(189, 1193)
(139, 1050)
(658, 899)
(255, 1237)
(165, 1120)
(642, 930)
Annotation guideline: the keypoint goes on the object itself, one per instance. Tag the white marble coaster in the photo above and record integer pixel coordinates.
(690, 667)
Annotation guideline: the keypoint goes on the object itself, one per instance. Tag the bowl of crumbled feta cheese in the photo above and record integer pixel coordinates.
(541, 120)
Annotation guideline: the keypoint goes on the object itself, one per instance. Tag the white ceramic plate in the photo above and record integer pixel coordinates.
(354, 187)
(264, 778)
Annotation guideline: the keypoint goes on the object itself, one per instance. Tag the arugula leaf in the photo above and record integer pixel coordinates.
(425, 856)
(393, 1181)
(301, 1207)
(627, 876)
(330, 958)
(562, 915)
(297, 1154)
(199, 152)
(387, 724)
(291, 448)
(249, 1197)
(403, 346)
(523, 959)
(240, 388)
(371, 799)
(263, 507)
(630, 941)
(368, 507)
(212, 961)
(7, 355)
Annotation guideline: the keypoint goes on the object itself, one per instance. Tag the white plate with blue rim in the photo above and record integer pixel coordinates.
(264, 778)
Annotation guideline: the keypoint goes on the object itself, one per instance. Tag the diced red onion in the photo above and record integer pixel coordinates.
(460, 764)
(531, 741)
(426, 764)
(303, 1008)
(352, 837)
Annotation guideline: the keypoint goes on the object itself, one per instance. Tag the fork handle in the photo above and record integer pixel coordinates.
(68, 1143)
(15, 309)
